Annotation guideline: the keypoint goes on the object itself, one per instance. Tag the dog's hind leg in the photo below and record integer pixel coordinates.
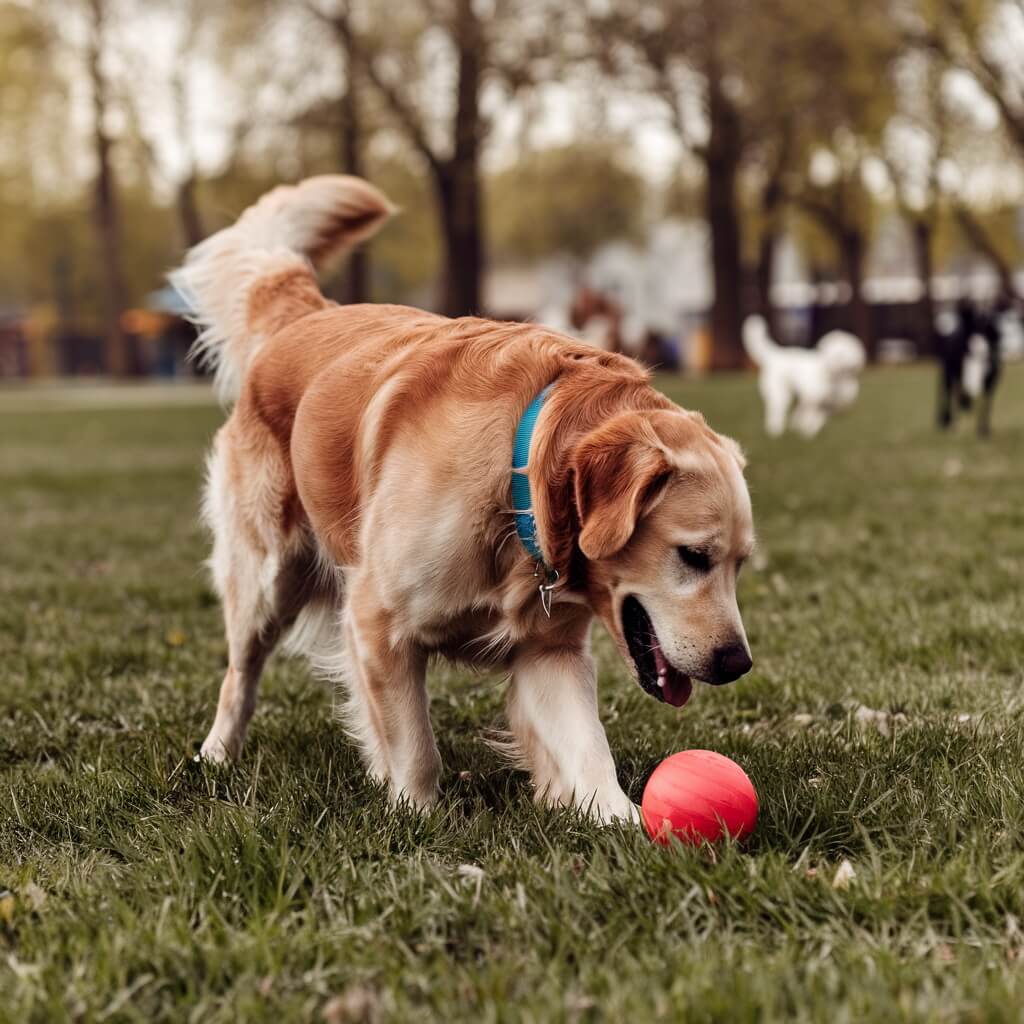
(776, 400)
(985, 403)
(945, 417)
(263, 586)
(809, 419)
(252, 633)
(257, 611)
(387, 711)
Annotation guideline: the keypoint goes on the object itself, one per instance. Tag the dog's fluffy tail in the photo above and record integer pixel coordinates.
(757, 341)
(256, 276)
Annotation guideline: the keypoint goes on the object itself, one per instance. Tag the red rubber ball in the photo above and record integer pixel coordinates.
(698, 795)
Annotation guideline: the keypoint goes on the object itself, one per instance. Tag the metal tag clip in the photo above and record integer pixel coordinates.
(547, 587)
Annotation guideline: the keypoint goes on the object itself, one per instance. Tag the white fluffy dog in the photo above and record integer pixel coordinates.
(803, 385)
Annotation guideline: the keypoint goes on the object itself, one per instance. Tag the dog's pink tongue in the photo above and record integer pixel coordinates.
(677, 688)
(674, 685)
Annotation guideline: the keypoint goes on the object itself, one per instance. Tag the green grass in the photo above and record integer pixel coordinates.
(144, 886)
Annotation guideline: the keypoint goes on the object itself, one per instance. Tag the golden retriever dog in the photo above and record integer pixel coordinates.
(359, 497)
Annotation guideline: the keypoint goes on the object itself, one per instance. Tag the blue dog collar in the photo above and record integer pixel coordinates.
(522, 502)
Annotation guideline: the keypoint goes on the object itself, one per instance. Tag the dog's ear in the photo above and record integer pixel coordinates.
(733, 448)
(620, 471)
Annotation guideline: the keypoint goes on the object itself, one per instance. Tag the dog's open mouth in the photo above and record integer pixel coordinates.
(656, 675)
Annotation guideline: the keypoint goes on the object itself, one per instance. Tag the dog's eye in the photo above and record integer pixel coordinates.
(699, 561)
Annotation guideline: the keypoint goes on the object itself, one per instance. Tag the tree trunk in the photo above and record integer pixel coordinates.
(105, 211)
(458, 179)
(188, 212)
(921, 233)
(773, 198)
(765, 263)
(859, 319)
(978, 237)
(771, 206)
(456, 174)
(722, 161)
(358, 276)
(189, 220)
(459, 207)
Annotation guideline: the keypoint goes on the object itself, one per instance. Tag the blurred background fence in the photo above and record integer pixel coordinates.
(644, 172)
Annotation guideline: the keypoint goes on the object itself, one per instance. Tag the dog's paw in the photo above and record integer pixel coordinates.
(611, 809)
(419, 789)
(215, 751)
(623, 812)
(421, 800)
(605, 807)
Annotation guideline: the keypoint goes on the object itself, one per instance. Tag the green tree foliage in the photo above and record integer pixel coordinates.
(435, 64)
(983, 38)
(567, 199)
(35, 155)
(34, 152)
(781, 109)
(847, 50)
(407, 254)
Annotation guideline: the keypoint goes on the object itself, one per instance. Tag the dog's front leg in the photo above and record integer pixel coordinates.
(387, 710)
(552, 711)
(776, 408)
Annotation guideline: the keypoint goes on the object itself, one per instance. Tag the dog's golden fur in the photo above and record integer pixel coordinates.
(359, 495)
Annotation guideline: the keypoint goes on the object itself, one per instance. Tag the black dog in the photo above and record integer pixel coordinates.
(953, 352)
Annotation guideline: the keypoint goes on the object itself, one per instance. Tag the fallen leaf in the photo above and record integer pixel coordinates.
(881, 720)
(579, 1003)
(33, 895)
(358, 1004)
(473, 872)
(844, 875)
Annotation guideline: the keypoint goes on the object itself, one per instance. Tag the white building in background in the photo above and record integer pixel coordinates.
(664, 284)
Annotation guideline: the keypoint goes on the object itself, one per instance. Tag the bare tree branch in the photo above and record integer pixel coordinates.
(979, 237)
(669, 95)
(400, 105)
(405, 113)
(989, 75)
(820, 210)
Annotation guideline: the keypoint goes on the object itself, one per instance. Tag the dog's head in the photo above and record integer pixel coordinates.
(665, 525)
(843, 357)
(842, 353)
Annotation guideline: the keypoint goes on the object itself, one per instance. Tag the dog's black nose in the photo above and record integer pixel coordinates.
(731, 662)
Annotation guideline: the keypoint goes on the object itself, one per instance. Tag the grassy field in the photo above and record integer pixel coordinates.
(883, 724)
